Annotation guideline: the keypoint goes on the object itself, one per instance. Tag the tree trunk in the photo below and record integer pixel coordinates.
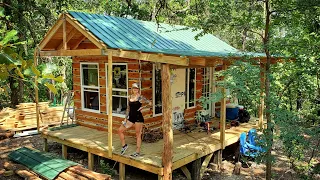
(269, 132)
(14, 92)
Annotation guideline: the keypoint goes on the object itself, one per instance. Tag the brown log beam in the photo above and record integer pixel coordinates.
(167, 123)
(223, 114)
(110, 104)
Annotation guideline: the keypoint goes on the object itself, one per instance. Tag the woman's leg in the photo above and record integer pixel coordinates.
(138, 126)
(121, 131)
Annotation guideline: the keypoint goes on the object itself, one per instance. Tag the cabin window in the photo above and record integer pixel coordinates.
(90, 87)
(191, 87)
(119, 88)
(157, 91)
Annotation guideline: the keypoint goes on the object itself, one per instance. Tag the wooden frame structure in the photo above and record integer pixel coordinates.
(69, 38)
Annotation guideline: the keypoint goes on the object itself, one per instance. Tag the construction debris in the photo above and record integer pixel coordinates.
(151, 135)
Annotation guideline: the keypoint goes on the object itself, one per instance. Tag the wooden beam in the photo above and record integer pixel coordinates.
(160, 177)
(69, 37)
(85, 32)
(186, 172)
(205, 164)
(90, 161)
(76, 52)
(64, 33)
(157, 58)
(45, 145)
(36, 90)
(217, 158)
(167, 122)
(64, 151)
(262, 83)
(122, 172)
(223, 114)
(110, 103)
(195, 169)
(78, 42)
(50, 33)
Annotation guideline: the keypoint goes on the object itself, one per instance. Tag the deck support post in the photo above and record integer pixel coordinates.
(186, 172)
(45, 144)
(90, 161)
(195, 170)
(223, 113)
(262, 83)
(205, 164)
(167, 123)
(122, 172)
(217, 158)
(110, 104)
(160, 177)
(64, 151)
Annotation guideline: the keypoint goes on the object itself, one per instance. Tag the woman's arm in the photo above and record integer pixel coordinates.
(144, 100)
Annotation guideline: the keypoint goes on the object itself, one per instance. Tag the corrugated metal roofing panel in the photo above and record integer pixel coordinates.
(131, 34)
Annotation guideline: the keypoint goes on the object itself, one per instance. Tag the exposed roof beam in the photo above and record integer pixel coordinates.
(51, 33)
(78, 42)
(76, 52)
(69, 37)
(157, 58)
(85, 32)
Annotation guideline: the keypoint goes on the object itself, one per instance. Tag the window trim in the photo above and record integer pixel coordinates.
(154, 93)
(85, 86)
(195, 88)
(122, 90)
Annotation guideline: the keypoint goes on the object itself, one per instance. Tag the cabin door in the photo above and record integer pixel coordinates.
(178, 94)
(207, 88)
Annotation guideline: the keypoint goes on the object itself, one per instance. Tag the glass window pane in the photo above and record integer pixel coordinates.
(91, 100)
(119, 76)
(192, 86)
(158, 92)
(119, 105)
(119, 93)
(90, 76)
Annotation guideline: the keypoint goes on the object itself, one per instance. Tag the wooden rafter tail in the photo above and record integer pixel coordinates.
(85, 32)
(51, 32)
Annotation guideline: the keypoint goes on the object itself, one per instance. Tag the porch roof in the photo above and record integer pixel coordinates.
(136, 35)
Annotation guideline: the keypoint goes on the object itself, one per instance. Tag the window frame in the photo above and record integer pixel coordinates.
(83, 108)
(116, 89)
(195, 88)
(154, 93)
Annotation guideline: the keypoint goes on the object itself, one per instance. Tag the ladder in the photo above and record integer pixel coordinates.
(67, 107)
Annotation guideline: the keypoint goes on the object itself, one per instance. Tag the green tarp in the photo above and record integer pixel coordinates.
(44, 164)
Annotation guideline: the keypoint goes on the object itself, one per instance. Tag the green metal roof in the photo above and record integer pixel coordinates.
(131, 34)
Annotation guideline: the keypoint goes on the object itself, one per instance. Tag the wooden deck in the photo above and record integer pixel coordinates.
(186, 147)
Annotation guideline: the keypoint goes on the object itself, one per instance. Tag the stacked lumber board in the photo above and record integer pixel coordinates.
(25, 117)
(72, 173)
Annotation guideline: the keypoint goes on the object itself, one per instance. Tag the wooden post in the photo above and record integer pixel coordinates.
(36, 91)
(122, 175)
(223, 113)
(64, 151)
(45, 145)
(64, 33)
(217, 158)
(195, 170)
(90, 161)
(167, 122)
(262, 83)
(110, 103)
(205, 164)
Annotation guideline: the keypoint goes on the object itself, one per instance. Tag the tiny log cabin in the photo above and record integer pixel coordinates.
(173, 69)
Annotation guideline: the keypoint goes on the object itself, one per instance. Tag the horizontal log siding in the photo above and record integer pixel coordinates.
(99, 121)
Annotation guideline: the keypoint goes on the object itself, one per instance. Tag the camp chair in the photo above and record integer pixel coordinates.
(252, 134)
(247, 149)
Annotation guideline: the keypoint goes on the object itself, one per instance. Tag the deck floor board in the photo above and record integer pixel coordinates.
(185, 145)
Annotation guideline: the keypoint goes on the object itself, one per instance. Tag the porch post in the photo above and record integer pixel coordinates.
(110, 103)
(167, 122)
(262, 82)
(36, 91)
(223, 113)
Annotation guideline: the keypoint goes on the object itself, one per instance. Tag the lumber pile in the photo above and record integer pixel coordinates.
(25, 117)
(72, 173)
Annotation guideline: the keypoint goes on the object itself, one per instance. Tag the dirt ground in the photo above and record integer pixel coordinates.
(251, 171)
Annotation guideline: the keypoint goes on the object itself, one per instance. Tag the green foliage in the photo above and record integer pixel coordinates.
(106, 169)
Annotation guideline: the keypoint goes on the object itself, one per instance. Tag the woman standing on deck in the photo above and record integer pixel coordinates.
(133, 118)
